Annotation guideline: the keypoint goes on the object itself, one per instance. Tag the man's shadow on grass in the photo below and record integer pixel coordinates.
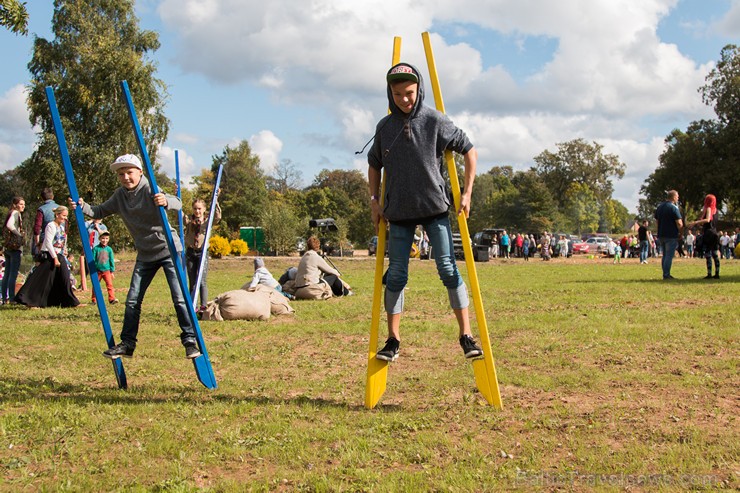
(678, 281)
(49, 389)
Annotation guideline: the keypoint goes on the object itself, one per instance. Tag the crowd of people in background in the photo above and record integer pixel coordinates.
(697, 239)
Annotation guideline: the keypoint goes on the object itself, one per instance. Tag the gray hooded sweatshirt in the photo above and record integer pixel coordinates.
(414, 159)
(141, 217)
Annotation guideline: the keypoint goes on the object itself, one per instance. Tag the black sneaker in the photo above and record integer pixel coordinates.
(121, 349)
(389, 351)
(716, 276)
(192, 351)
(470, 348)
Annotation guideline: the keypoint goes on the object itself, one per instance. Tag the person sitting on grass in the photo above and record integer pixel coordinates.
(314, 274)
(105, 265)
(264, 277)
(139, 209)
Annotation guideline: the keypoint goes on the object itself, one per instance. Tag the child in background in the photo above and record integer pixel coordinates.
(617, 253)
(195, 237)
(264, 277)
(105, 264)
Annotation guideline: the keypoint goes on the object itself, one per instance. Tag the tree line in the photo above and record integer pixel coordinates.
(570, 189)
(705, 158)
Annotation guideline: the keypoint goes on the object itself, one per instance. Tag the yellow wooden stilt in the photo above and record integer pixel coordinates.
(484, 370)
(377, 370)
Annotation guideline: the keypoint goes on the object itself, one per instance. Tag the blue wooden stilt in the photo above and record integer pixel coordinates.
(88, 256)
(202, 363)
(179, 213)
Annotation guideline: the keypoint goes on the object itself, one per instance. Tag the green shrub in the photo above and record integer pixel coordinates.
(218, 247)
(239, 247)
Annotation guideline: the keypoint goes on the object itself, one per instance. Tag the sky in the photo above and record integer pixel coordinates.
(303, 81)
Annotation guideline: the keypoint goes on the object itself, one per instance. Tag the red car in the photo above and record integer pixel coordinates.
(580, 247)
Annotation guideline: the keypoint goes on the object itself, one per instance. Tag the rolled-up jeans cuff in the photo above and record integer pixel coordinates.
(393, 302)
(458, 297)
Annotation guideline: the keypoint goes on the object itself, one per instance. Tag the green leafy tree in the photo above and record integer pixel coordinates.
(342, 194)
(582, 208)
(14, 16)
(722, 92)
(516, 200)
(722, 88)
(243, 191)
(535, 203)
(577, 161)
(11, 185)
(687, 164)
(96, 45)
(705, 158)
(613, 217)
(281, 225)
(480, 203)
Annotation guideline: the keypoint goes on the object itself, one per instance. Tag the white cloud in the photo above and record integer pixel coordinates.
(609, 74)
(730, 23)
(16, 135)
(267, 146)
(188, 169)
(186, 139)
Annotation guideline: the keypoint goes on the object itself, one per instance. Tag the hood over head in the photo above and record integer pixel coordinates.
(405, 71)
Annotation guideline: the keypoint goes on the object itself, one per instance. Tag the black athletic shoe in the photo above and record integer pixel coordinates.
(708, 276)
(389, 351)
(192, 351)
(121, 349)
(470, 348)
(716, 276)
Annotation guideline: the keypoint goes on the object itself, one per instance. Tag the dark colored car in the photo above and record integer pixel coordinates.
(482, 242)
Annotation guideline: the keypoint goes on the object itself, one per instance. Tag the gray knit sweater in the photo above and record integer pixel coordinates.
(414, 159)
(141, 217)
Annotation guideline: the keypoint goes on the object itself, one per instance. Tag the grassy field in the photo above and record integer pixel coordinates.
(611, 379)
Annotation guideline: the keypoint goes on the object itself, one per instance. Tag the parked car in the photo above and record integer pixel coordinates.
(579, 246)
(597, 244)
(482, 242)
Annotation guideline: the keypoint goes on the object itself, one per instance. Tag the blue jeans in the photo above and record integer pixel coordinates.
(440, 237)
(12, 267)
(668, 245)
(644, 249)
(140, 280)
(192, 264)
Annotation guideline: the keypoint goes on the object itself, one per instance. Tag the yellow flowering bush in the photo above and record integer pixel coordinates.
(238, 247)
(218, 247)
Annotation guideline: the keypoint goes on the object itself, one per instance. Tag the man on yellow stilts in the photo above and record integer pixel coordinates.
(409, 145)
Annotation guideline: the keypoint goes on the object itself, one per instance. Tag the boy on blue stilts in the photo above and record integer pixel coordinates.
(138, 208)
(410, 145)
